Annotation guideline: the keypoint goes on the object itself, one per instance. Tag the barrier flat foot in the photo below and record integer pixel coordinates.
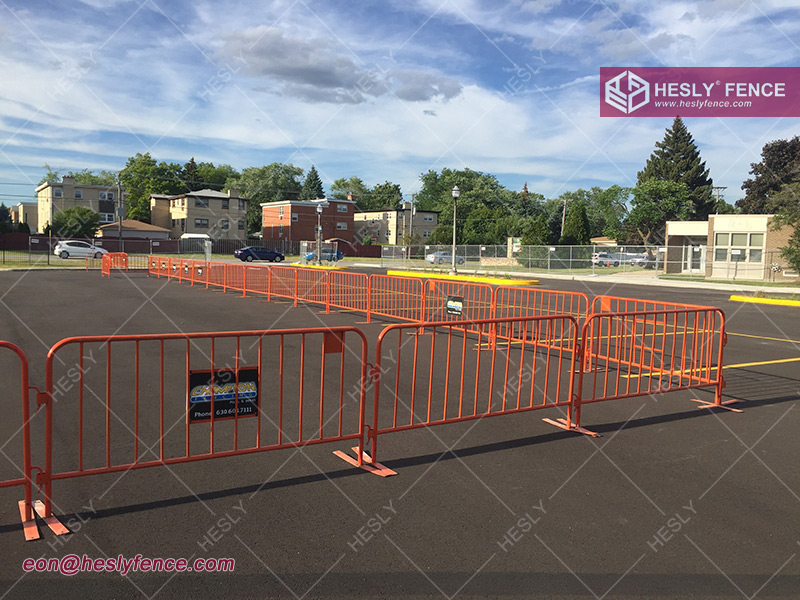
(52, 521)
(562, 424)
(367, 463)
(28, 527)
(705, 404)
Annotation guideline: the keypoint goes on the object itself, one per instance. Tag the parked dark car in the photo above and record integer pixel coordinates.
(251, 253)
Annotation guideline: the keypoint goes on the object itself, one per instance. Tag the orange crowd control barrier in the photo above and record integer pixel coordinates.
(652, 352)
(438, 375)
(403, 298)
(139, 401)
(24, 474)
(143, 401)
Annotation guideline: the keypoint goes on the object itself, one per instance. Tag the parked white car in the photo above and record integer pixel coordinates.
(77, 249)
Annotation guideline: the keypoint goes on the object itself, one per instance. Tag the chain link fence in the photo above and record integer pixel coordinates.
(691, 262)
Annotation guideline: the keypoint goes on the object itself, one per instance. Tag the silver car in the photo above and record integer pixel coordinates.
(77, 249)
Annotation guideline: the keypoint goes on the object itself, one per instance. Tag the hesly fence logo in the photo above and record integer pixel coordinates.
(700, 92)
(627, 92)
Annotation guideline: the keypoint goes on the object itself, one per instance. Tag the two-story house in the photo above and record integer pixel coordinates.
(396, 227)
(296, 220)
(221, 215)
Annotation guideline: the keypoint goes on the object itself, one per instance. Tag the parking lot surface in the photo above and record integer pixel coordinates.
(672, 502)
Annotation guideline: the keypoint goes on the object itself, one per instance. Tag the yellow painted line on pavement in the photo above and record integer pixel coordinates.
(773, 301)
(763, 337)
(689, 373)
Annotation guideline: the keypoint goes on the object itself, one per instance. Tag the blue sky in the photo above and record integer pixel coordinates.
(382, 90)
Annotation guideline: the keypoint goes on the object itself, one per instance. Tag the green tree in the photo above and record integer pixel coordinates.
(779, 166)
(23, 228)
(677, 159)
(76, 222)
(5, 214)
(214, 177)
(576, 225)
(654, 203)
(84, 177)
(270, 183)
(535, 231)
(476, 189)
(386, 195)
(312, 186)
(354, 186)
(141, 177)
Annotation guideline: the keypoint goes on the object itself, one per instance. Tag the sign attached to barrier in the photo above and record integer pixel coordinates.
(455, 305)
(224, 384)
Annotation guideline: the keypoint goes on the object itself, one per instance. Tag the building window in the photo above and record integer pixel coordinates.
(56, 192)
(387, 233)
(341, 226)
(385, 216)
(342, 208)
(242, 205)
(201, 223)
(426, 234)
(280, 212)
(106, 217)
(739, 247)
(225, 204)
(427, 218)
(295, 217)
(223, 224)
(78, 194)
(280, 230)
(240, 225)
(106, 195)
(201, 202)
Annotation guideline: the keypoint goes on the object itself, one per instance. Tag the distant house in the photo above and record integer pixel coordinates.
(394, 227)
(131, 228)
(55, 197)
(223, 216)
(296, 220)
(26, 212)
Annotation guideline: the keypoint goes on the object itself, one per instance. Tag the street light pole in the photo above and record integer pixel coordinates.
(319, 234)
(456, 193)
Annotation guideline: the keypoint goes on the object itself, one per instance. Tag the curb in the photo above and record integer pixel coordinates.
(470, 278)
(773, 301)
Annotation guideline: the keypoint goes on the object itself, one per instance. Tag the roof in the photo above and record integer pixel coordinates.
(306, 202)
(398, 210)
(134, 225)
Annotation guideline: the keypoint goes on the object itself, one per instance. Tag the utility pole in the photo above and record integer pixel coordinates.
(564, 215)
(718, 189)
(120, 213)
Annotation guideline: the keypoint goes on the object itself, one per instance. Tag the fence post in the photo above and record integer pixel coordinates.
(244, 281)
(369, 297)
(328, 292)
(296, 270)
(269, 284)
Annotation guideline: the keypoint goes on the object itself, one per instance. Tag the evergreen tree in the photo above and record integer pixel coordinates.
(312, 186)
(190, 176)
(576, 225)
(676, 158)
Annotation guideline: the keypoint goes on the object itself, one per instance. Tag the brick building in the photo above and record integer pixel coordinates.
(296, 220)
(742, 247)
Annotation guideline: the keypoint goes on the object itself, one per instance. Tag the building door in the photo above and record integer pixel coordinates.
(694, 258)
